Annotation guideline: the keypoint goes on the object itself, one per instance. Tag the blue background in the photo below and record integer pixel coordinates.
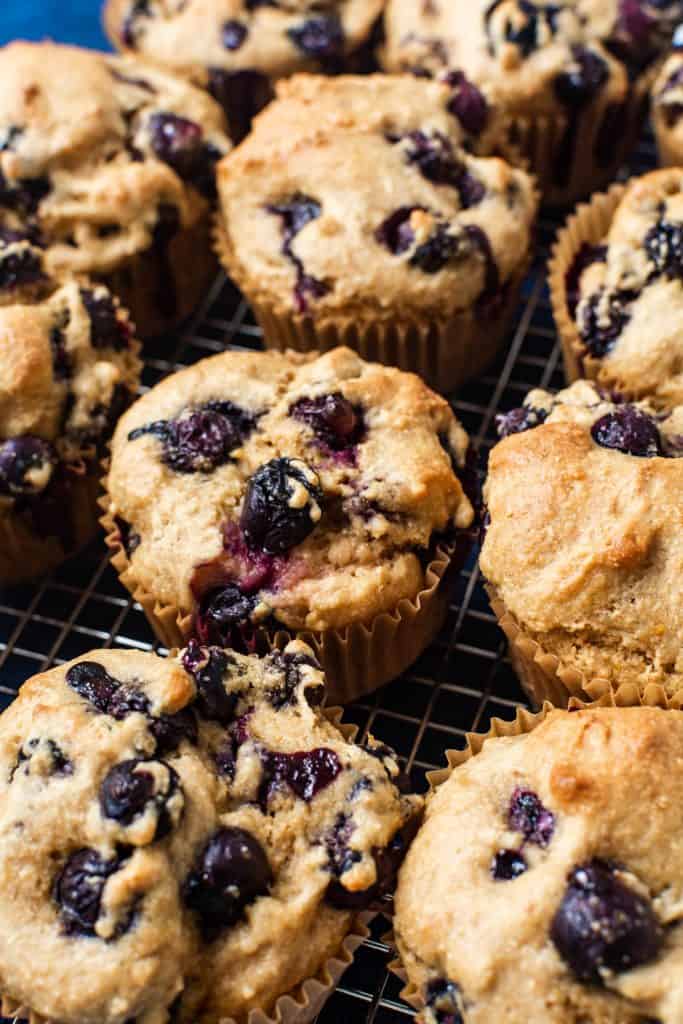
(68, 21)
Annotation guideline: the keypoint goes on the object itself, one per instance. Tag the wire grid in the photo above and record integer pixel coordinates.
(458, 685)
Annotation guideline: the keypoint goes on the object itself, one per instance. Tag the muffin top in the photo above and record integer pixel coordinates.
(626, 294)
(667, 105)
(68, 368)
(266, 484)
(361, 201)
(532, 58)
(187, 836)
(275, 37)
(100, 156)
(585, 499)
(545, 884)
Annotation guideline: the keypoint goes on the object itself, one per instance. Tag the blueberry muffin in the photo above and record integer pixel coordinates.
(239, 48)
(667, 106)
(354, 215)
(583, 547)
(616, 282)
(572, 76)
(107, 165)
(68, 368)
(261, 492)
(544, 886)
(186, 840)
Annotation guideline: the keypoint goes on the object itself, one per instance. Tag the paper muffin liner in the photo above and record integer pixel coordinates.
(566, 153)
(625, 696)
(445, 351)
(588, 225)
(357, 659)
(163, 285)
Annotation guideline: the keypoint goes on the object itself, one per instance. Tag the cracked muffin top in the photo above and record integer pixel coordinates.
(585, 499)
(545, 884)
(68, 368)
(362, 201)
(667, 105)
(528, 57)
(307, 490)
(275, 37)
(626, 294)
(100, 157)
(184, 839)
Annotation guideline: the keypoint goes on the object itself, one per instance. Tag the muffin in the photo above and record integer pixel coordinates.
(68, 368)
(353, 215)
(582, 550)
(667, 106)
(256, 495)
(187, 840)
(544, 886)
(572, 77)
(237, 50)
(108, 166)
(617, 293)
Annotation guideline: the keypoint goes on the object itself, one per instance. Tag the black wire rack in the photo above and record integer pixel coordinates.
(457, 686)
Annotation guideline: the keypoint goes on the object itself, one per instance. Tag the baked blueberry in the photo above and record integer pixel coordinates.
(508, 865)
(26, 465)
(290, 666)
(233, 34)
(296, 212)
(433, 155)
(580, 84)
(19, 265)
(232, 871)
(305, 772)
(628, 430)
(134, 788)
(52, 759)
(282, 506)
(388, 860)
(107, 330)
(223, 613)
(601, 319)
(443, 1001)
(336, 422)
(397, 234)
(602, 924)
(468, 104)
(78, 891)
(209, 666)
(92, 682)
(526, 814)
(664, 247)
(518, 420)
(170, 731)
(320, 37)
(199, 440)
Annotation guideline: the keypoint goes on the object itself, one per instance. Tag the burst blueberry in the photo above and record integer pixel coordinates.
(209, 667)
(527, 814)
(508, 865)
(223, 613)
(306, 773)
(282, 506)
(133, 788)
(78, 890)
(629, 430)
(664, 247)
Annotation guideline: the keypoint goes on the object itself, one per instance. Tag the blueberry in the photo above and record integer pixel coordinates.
(289, 667)
(20, 265)
(170, 731)
(585, 257)
(397, 235)
(388, 860)
(305, 772)
(60, 764)
(180, 143)
(282, 506)
(223, 613)
(508, 865)
(467, 103)
(129, 789)
(234, 34)
(518, 420)
(92, 682)
(526, 814)
(232, 872)
(201, 440)
(106, 329)
(209, 667)
(340, 857)
(296, 212)
(444, 1003)
(664, 247)
(602, 319)
(628, 430)
(78, 890)
(26, 464)
(581, 84)
(128, 538)
(602, 924)
(525, 24)
(433, 155)
(320, 37)
(25, 196)
(337, 423)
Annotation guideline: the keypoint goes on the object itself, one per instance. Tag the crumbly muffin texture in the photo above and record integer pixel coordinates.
(68, 369)
(306, 491)
(626, 294)
(667, 106)
(101, 157)
(196, 828)
(545, 885)
(362, 203)
(534, 58)
(583, 547)
(207, 38)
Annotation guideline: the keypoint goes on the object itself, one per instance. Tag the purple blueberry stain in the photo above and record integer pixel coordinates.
(388, 860)
(282, 506)
(603, 925)
(508, 865)
(26, 465)
(232, 871)
(306, 772)
(629, 430)
(295, 213)
(130, 790)
(396, 233)
(78, 891)
(526, 814)
(25, 195)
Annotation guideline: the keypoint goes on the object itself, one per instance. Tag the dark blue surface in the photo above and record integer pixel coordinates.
(68, 21)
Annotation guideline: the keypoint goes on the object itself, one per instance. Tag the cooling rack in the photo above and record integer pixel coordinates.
(461, 683)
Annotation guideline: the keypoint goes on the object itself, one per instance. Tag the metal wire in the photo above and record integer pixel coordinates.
(458, 685)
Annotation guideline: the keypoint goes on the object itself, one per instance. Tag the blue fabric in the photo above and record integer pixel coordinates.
(67, 21)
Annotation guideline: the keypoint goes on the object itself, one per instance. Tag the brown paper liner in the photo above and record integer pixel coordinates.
(626, 696)
(570, 169)
(588, 225)
(305, 1000)
(445, 352)
(162, 286)
(357, 659)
